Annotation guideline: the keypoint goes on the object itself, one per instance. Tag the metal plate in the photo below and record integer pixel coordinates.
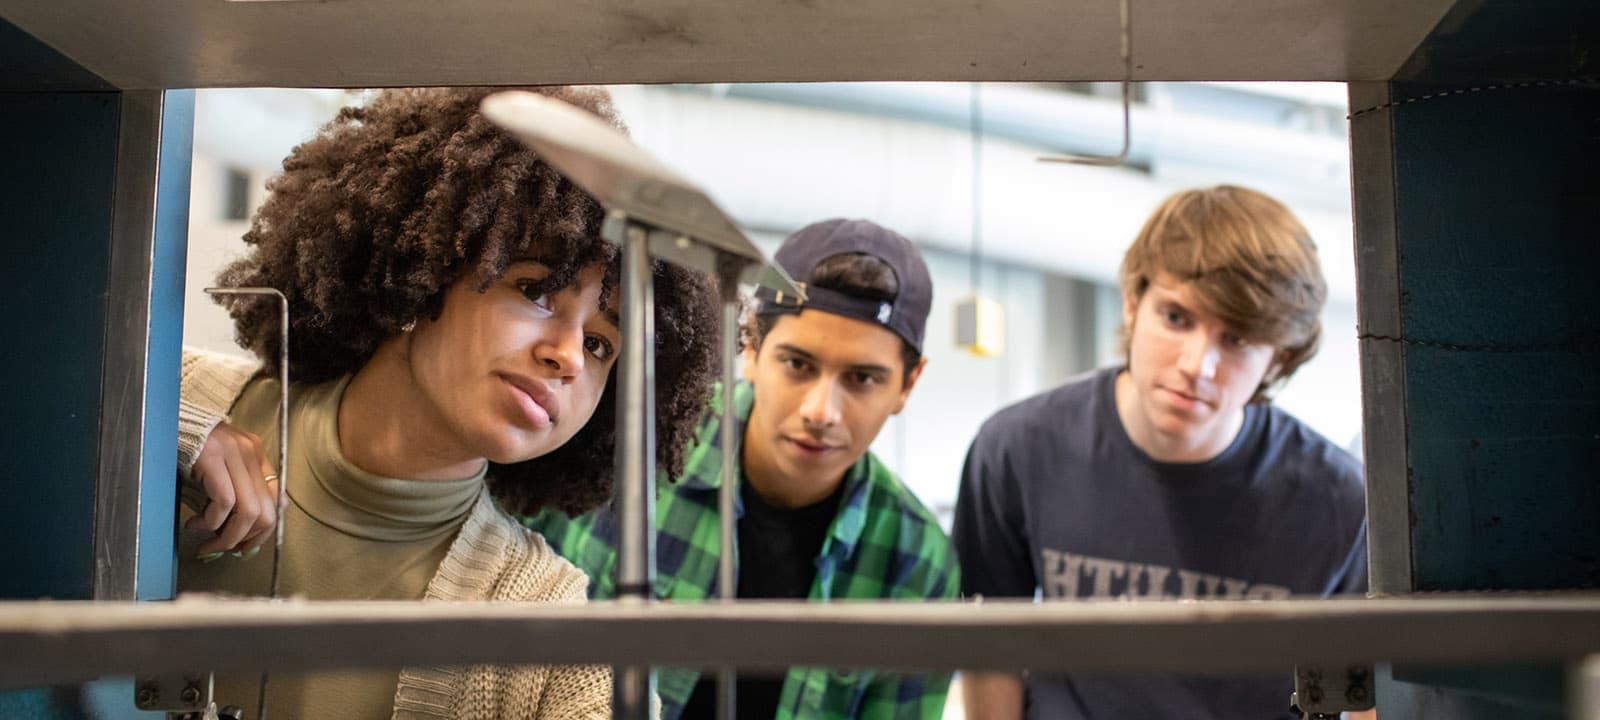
(375, 43)
(53, 642)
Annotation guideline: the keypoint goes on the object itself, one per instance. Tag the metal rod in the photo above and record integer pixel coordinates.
(727, 584)
(283, 446)
(1127, 103)
(636, 458)
(50, 642)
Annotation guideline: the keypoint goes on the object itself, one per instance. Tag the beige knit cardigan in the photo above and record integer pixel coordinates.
(492, 558)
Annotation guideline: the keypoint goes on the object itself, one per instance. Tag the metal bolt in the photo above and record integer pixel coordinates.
(190, 695)
(147, 696)
(1356, 693)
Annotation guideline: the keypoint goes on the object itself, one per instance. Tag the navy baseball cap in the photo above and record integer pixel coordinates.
(906, 315)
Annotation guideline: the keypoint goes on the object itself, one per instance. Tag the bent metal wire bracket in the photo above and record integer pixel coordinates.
(1127, 107)
(283, 443)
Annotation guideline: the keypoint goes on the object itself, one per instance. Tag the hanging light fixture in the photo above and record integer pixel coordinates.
(980, 321)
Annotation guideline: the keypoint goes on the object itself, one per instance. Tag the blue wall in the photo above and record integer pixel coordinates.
(158, 500)
(55, 208)
(1499, 235)
(1496, 208)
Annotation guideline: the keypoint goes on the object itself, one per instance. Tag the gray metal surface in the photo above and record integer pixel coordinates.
(682, 223)
(1383, 380)
(51, 642)
(123, 374)
(371, 43)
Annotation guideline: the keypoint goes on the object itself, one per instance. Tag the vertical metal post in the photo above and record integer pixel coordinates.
(1383, 363)
(143, 334)
(727, 585)
(636, 457)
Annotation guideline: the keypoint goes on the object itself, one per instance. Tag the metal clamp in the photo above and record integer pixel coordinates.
(1321, 694)
(183, 696)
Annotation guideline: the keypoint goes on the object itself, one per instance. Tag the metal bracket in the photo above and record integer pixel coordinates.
(1127, 105)
(1321, 694)
(283, 451)
(183, 696)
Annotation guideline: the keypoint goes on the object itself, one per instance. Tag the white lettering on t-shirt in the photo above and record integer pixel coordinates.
(1073, 576)
(1101, 570)
(1061, 573)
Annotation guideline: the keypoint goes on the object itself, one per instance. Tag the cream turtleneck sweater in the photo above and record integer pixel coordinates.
(352, 535)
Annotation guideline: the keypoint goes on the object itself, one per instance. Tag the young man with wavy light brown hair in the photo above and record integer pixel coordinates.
(1171, 476)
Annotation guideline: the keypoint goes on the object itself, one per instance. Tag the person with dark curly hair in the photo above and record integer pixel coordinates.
(452, 338)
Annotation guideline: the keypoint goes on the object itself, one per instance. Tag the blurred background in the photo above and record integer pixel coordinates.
(954, 167)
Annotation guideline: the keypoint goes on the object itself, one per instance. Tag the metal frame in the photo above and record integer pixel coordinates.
(1383, 378)
(140, 275)
(54, 642)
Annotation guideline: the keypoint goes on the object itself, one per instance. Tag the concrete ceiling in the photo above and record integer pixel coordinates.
(371, 43)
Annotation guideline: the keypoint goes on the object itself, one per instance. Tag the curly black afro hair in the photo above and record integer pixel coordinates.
(372, 220)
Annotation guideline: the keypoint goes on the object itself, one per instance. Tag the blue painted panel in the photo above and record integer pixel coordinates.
(1499, 254)
(1485, 41)
(158, 500)
(55, 208)
(1405, 696)
(41, 704)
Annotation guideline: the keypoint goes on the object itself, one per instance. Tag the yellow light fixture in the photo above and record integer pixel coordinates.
(981, 326)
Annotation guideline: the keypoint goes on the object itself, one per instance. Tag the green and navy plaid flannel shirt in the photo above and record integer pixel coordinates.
(883, 544)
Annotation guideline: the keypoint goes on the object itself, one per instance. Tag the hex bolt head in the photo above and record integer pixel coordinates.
(1356, 693)
(146, 696)
(190, 695)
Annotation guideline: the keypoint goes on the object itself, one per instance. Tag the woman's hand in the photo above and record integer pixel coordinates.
(241, 490)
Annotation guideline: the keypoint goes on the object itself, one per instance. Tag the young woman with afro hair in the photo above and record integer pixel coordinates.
(453, 330)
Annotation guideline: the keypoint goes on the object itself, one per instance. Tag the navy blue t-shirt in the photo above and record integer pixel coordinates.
(1057, 500)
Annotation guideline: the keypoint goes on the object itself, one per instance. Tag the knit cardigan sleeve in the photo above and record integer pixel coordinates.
(495, 558)
(208, 383)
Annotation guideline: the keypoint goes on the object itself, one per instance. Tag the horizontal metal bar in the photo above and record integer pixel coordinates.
(51, 642)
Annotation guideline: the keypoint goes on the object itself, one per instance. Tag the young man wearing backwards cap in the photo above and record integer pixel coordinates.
(819, 517)
(1171, 476)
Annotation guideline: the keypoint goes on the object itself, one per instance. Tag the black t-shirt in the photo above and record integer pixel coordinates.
(778, 549)
(1056, 499)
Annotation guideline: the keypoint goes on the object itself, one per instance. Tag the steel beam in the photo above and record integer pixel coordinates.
(57, 642)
